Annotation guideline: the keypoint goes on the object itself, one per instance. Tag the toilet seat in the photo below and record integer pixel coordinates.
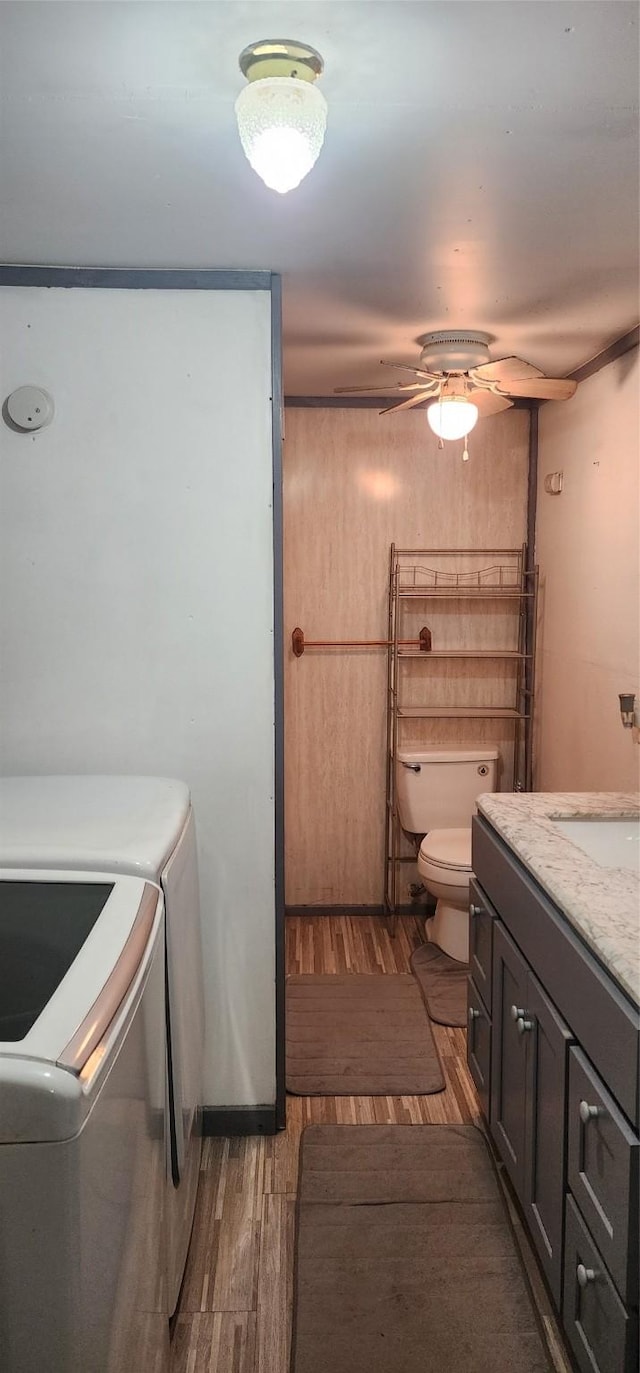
(444, 863)
(447, 850)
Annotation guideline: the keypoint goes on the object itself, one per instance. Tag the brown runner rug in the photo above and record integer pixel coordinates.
(443, 983)
(351, 1035)
(406, 1261)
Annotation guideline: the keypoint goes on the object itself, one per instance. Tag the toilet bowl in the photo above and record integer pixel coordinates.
(436, 793)
(444, 864)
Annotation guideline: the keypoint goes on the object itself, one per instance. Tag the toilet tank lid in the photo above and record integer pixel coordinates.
(447, 755)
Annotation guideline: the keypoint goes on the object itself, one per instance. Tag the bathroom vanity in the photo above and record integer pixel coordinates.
(554, 1046)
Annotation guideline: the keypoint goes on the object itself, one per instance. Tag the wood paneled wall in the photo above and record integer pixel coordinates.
(588, 544)
(353, 484)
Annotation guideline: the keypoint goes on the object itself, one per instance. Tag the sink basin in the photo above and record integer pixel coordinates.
(612, 843)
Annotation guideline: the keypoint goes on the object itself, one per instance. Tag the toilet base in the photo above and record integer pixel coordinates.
(449, 929)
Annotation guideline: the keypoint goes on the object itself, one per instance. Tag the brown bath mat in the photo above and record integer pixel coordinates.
(443, 982)
(350, 1035)
(405, 1256)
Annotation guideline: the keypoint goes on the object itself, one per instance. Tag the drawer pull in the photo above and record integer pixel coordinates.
(517, 1014)
(475, 910)
(588, 1112)
(473, 1013)
(585, 1275)
(523, 1025)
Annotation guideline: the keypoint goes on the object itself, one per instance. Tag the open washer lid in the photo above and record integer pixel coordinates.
(73, 949)
(93, 823)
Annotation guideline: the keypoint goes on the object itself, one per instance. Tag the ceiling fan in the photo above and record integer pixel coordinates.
(456, 371)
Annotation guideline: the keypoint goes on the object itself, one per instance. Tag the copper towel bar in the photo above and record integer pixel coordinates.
(299, 643)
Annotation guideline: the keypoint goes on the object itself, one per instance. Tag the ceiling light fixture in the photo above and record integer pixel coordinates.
(282, 116)
(451, 417)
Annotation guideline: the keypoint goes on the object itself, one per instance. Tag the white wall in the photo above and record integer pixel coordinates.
(588, 550)
(136, 619)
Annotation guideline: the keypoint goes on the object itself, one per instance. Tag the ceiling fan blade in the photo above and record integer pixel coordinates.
(404, 367)
(546, 388)
(406, 404)
(505, 369)
(383, 386)
(489, 403)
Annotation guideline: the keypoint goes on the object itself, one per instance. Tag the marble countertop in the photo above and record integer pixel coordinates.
(603, 904)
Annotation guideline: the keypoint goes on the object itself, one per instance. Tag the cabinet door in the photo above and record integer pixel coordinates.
(509, 1054)
(479, 1045)
(544, 1186)
(481, 918)
(602, 1332)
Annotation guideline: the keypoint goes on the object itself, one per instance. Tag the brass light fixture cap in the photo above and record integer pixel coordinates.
(280, 57)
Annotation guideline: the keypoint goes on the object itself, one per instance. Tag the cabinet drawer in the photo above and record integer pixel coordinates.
(602, 1333)
(603, 1172)
(482, 916)
(479, 1045)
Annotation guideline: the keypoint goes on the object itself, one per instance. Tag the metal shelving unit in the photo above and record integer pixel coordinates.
(458, 579)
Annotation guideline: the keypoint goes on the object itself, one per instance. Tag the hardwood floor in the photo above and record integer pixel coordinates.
(234, 1314)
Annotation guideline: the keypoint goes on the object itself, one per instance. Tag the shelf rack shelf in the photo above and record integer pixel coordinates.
(458, 579)
(498, 594)
(460, 713)
(507, 653)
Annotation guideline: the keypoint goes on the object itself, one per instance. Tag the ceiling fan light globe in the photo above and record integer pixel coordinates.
(281, 122)
(452, 418)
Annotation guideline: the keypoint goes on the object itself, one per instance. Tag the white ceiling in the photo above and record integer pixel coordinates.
(480, 168)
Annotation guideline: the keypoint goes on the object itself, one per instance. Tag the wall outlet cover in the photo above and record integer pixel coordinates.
(553, 483)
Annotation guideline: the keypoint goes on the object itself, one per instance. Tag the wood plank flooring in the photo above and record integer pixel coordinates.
(234, 1314)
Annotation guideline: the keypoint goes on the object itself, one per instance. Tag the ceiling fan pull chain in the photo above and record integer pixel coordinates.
(465, 452)
(440, 443)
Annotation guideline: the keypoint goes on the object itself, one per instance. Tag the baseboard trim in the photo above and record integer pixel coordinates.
(414, 909)
(239, 1120)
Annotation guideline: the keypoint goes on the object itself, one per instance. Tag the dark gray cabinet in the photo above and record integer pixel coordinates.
(481, 918)
(554, 1045)
(602, 1332)
(509, 1055)
(479, 1028)
(604, 1021)
(548, 1040)
(528, 1075)
(479, 1046)
(603, 1172)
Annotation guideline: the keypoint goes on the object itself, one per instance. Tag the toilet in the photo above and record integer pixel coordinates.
(436, 792)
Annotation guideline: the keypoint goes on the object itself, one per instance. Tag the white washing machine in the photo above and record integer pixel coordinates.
(142, 826)
(82, 1124)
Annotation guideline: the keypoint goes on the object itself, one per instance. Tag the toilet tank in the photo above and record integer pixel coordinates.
(437, 788)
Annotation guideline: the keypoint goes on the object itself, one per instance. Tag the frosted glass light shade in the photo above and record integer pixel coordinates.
(450, 417)
(281, 121)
